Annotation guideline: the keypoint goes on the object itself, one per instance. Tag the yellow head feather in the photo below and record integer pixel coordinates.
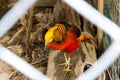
(49, 35)
(55, 33)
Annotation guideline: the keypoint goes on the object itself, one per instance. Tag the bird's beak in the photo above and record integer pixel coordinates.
(46, 43)
(45, 46)
(50, 40)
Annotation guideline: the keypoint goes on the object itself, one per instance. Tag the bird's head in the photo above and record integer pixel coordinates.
(55, 33)
(49, 36)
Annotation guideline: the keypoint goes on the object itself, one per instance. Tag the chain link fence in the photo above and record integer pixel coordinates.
(82, 7)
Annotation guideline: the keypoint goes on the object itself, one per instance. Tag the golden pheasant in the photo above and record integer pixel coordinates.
(66, 37)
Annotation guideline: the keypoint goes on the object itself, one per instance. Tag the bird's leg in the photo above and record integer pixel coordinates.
(66, 64)
(67, 68)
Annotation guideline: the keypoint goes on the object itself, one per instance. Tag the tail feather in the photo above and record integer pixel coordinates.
(87, 36)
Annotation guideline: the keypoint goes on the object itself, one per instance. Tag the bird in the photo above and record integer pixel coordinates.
(66, 37)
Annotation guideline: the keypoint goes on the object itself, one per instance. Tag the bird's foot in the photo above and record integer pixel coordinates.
(66, 65)
(67, 69)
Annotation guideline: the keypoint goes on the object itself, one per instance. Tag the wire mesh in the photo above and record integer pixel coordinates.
(84, 9)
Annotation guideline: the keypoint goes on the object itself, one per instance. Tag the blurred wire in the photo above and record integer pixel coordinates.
(83, 8)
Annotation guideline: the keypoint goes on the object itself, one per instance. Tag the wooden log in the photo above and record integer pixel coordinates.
(99, 31)
(82, 59)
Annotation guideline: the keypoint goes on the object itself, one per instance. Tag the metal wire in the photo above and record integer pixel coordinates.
(84, 9)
